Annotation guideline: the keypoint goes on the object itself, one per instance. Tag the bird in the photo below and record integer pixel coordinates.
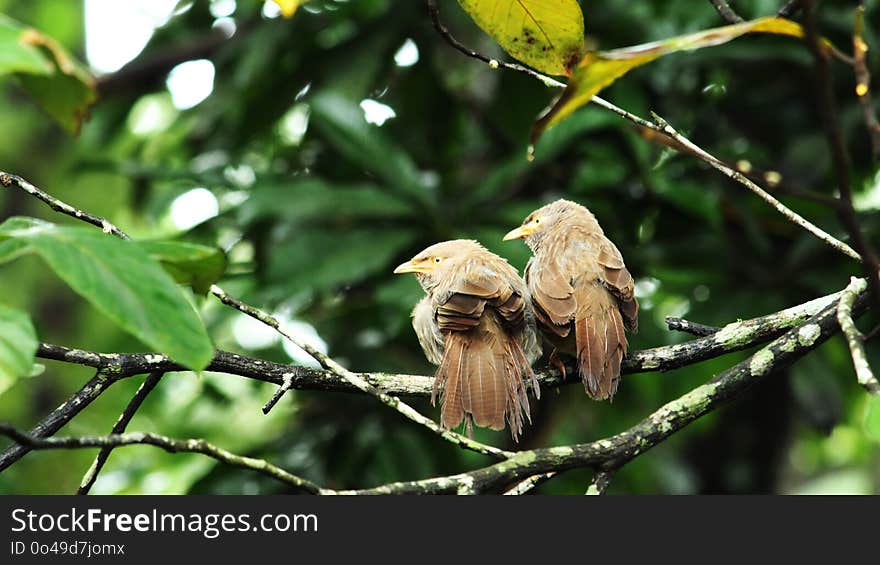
(476, 324)
(581, 291)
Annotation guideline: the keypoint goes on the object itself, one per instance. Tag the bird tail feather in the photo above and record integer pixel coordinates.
(601, 343)
(480, 378)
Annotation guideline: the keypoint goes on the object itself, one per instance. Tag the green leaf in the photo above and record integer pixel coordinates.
(121, 280)
(598, 70)
(320, 260)
(872, 418)
(11, 249)
(198, 266)
(342, 122)
(545, 34)
(17, 56)
(60, 84)
(18, 346)
(312, 198)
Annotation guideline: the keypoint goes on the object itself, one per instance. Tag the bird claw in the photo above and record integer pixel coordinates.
(556, 362)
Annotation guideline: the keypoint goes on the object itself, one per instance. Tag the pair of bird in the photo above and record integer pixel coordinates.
(479, 320)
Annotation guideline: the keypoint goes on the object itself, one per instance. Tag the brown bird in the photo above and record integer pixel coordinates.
(476, 324)
(581, 292)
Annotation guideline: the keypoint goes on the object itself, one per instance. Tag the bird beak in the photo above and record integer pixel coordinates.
(518, 233)
(409, 267)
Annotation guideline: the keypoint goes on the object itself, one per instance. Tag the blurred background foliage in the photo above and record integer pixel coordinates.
(321, 151)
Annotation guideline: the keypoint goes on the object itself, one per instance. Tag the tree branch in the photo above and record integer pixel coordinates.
(119, 427)
(113, 367)
(59, 417)
(529, 484)
(617, 450)
(791, 215)
(358, 382)
(726, 12)
(144, 74)
(789, 9)
(863, 81)
(171, 445)
(677, 141)
(839, 152)
(8, 179)
(601, 481)
(733, 337)
(854, 337)
(681, 325)
(325, 361)
(434, 12)
(604, 454)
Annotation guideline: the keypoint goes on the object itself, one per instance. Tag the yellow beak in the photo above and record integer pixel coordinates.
(518, 233)
(410, 267)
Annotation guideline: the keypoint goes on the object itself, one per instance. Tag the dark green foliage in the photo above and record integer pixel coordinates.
(313, 227)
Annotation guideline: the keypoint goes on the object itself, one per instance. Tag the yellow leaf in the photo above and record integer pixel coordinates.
(288, 7)
(545, 34)
(598, 70)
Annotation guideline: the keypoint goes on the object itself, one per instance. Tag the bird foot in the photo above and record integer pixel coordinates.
(556, 362)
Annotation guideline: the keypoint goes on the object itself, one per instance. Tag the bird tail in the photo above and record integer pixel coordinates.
(601, 343)
(481, 377)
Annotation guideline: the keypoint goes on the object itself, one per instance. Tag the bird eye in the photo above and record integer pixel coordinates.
(537, 221)
(436, 259)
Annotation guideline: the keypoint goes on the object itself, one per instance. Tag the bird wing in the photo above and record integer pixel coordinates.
(552, 296)
(480, 312)
(462, 301)
(619, 282)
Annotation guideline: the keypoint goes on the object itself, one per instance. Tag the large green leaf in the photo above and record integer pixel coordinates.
(314, 199)
(18, 345)
(545, 34)
(198, 266)
(598, 70)
(60, 84)
(11, 249)
(319, 260)
(121, 280)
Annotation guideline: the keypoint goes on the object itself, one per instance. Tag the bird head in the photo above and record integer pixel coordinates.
(548, 219)
(439, 260)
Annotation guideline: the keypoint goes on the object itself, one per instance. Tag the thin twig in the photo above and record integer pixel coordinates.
(286, 385)
(681, 325)
(529, 484)
(789, 9)
(726, 12)
(8, 179)
(59, 417)
(863, 81)
(601, 481)
(325, 361)
(168, 444)
(119, 427)
(434, 12)
(854, 337)
(359, 382)
(839, 152)
(678, 141)
(791, 215)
